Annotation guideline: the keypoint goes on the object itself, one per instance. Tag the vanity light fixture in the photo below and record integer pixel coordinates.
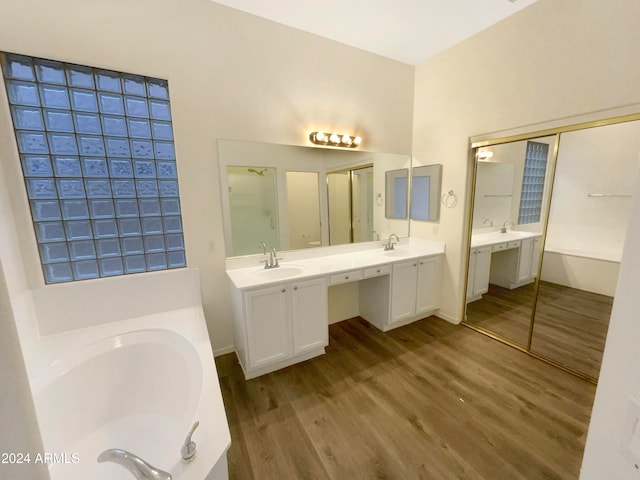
(485, 155)
(334, 140)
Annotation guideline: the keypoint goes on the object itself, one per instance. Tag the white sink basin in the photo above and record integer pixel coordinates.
(282, 272)
(396, 253)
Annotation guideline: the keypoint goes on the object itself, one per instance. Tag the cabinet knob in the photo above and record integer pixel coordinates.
(378, 270)
(346, 277)
(283, 290)
(414, 264)
(295, 288)
(421, 263)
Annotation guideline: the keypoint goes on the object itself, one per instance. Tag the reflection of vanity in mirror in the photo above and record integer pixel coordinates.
(547, 227)
(294, 197)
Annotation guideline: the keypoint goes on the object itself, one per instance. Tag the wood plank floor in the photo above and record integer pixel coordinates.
(570, 325)
(504, 312)
(427, 401)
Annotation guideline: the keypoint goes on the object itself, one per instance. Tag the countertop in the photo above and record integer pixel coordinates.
(328, 260)
(492, 238)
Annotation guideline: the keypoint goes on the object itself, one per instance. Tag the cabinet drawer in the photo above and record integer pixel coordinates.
(344, 277)
(499, 246)
(376, 271)
(514, 244)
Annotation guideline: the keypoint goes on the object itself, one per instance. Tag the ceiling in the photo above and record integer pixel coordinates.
(409, 31)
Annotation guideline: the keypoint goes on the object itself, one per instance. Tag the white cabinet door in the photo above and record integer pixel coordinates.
(524, 260)
(481, 271)
(268, 332)
(428, 284)
(309, 315)
(471, 273)
(403, 291)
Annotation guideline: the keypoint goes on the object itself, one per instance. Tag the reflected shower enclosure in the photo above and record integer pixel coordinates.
(253, 205)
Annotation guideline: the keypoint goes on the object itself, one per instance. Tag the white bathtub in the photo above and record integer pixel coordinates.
(138, 385)
(583, 257)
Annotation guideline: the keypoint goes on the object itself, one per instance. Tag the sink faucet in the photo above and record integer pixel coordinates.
(389, 245)
(272, 261)
(138, 467)
(487, 220)
(504, 226)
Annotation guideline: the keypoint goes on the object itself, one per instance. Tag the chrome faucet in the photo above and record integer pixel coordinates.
(487, 220)
(264, 247)
(504, 226)
(272, 261)
(138, 467)
(389, 245)
(188, 450)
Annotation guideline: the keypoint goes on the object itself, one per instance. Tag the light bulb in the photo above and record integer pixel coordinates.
(346, 139)
(334, 138)
(320, 137)
(357, 140)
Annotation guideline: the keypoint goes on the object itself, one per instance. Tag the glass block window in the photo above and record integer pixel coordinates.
(535, 169)
(99, 164)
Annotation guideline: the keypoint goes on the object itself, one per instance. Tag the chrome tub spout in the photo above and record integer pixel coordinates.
(138, 467)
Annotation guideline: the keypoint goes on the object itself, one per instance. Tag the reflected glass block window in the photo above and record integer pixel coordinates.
(99, 164)
(535, 171)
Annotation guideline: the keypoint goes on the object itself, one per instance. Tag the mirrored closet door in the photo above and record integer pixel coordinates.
(548, 223)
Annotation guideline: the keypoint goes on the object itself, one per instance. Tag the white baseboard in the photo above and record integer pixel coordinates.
(224, 350)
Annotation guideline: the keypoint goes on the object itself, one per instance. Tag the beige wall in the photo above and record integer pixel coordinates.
(231, 75)
(549, 61)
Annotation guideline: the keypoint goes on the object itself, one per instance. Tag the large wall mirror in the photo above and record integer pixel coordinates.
(294, 197)
(548, 223)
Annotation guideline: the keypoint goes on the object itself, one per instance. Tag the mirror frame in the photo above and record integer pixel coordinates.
(471, 181)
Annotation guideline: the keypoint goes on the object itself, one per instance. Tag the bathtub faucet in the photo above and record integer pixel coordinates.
(188, 450)
(138, 467)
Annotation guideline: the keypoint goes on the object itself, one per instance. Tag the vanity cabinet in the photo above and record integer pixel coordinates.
(281, 324)
(479, 271)
(415, 289)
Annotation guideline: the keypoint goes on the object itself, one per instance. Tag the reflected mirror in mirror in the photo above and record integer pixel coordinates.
(303, 207)
(512, 189)
(396, 193)
(589, 214)
(425, 192)
(294, 172)
(339, 198)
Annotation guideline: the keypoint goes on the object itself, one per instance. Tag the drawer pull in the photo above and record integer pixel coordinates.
(378, 270)
(346, 277)
(283, 290)
(295, 288)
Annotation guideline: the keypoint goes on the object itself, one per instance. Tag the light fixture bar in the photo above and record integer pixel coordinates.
(334, 140)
